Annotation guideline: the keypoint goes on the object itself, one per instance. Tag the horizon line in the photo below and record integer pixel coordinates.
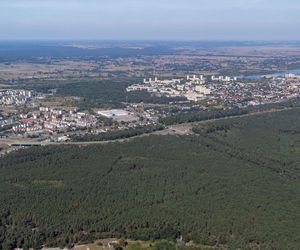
(140, 40)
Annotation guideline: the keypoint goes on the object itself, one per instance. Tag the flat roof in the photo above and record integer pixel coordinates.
(113, 112)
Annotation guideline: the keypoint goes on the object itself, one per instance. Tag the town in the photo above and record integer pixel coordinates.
(231, 91)
(25, 121)
(15, 97)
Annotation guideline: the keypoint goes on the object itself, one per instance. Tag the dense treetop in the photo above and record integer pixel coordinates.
(235, 182)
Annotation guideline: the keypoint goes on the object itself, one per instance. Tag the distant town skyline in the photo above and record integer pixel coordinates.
(150, 20)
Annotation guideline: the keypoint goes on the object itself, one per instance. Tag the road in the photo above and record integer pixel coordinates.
(178, 129)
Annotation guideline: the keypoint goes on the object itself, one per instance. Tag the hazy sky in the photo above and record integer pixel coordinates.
(150, 19)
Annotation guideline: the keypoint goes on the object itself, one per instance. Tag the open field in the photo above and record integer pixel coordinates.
(4, 86)
(145, 245)
(144, 60)
(61, 68)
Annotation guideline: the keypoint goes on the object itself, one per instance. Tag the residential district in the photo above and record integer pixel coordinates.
(231, 90)
(24, 120)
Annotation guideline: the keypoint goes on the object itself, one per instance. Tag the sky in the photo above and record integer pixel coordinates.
(150, 19)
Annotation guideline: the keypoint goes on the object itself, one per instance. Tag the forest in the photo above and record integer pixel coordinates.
(104, 93)
(118, 134)
(233, 183)
(211, 114)
(196, 116)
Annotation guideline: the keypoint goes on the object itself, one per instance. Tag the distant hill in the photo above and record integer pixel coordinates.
(39, 51)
